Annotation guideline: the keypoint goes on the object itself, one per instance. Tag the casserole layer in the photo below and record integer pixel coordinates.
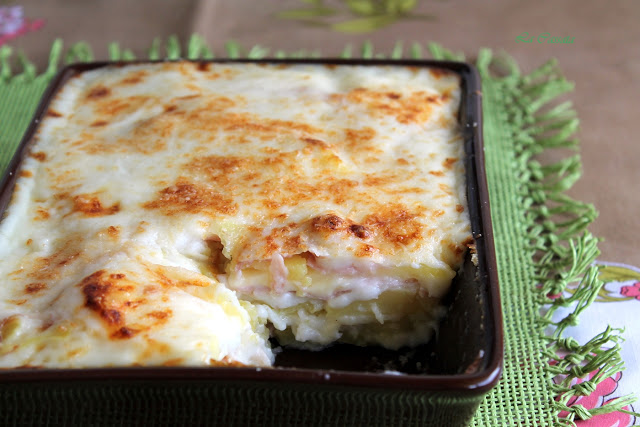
(181, 213)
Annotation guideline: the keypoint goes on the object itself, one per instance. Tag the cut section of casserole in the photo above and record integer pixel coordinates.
(183, 213)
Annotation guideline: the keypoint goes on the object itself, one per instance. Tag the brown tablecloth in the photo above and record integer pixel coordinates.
(603, 61)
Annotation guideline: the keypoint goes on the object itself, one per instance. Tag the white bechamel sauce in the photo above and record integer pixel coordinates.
(337, 194)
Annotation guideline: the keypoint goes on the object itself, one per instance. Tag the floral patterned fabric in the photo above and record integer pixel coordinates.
(13, 23)
(617, 304)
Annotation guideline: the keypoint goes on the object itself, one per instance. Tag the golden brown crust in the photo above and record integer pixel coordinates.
(34, 288)
(89, 205)
(190, 198)
(405, 108)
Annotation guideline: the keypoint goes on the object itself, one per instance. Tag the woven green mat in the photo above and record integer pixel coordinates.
(540, 233)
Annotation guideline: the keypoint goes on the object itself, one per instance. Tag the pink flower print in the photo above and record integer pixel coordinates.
(598, 399)
(632, 291)
(11, 19)
(13, 23)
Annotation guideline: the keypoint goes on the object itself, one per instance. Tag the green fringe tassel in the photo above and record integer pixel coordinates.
(563, 250)
(196, 48)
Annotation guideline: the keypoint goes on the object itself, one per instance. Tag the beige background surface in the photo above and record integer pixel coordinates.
(603, 61)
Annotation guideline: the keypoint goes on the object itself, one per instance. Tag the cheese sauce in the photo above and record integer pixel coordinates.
(176, 213)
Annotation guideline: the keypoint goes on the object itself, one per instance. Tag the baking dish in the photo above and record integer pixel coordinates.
(441, 382)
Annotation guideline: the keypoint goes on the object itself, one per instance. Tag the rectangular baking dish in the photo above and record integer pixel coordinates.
(442, 383)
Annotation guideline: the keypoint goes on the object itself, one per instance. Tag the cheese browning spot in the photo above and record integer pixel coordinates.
(342, 190)
(123, 333)
(41, 214)
(317, 142)
(449, 162)
(203, 66)
(50, 268)
(174, 277)
(366, 251)
(47, 324)
(215, 71)
(189, 198)
(457, 250)
(160, 315)
(113, 231)
(98, 92)
(96, 290)
(438, 73)
(396, 225)
(359, 139)
(414, 107)
(208, 115)
(263, 128)
(218, 169)
(135, 78)
(110, 108)
(283, 239)
(108, 295)
(359, 231)
(380, 180)
(53, 113)
(26, 174)
(329, 223)
(445, 189)
(34, 288)
(197, 95)
(39, 156)
(91, 206)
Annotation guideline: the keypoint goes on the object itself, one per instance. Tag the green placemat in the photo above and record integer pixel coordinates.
(540, 233)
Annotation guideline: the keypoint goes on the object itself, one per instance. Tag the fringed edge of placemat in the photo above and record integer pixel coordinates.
(196, 48)
(562, 249)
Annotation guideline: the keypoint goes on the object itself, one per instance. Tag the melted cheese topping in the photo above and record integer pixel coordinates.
(175, 213)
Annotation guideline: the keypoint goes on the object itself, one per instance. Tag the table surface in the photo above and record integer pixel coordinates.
(602, 59)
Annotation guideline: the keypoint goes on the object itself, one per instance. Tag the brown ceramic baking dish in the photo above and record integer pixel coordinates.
(441, 383)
